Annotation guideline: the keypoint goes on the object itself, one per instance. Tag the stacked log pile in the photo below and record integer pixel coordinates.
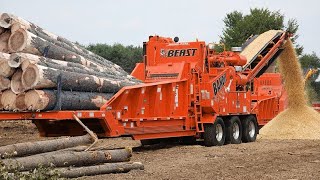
(68, 156)
(38, 69)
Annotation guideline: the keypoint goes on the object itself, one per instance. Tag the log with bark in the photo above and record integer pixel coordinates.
(67, 76)
(5, 69)
(24, 41)
(9, 20)
(23, 60)
(39, 77)
(37, 100)
(99, 169)
(30, 148)
(68, 158)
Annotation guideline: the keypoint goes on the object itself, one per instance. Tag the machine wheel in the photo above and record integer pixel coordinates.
(250, 129)
(214, 134)
(233, 130)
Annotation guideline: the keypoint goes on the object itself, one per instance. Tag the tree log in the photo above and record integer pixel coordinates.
(16, 82)
(9, 20)
(24, 41)
(5, 69)
(20, 103)
(4, 83)
(65, 159)
(40, 77)
(2, 30)
(99, 169)
(30, 148)
(23, 60)
(37, 100)
(4, 39)
(1, 105)
(8, 100)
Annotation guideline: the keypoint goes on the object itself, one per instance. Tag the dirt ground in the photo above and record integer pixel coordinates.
(264, 159)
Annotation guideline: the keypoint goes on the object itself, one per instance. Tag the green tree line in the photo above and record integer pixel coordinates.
(124, 56)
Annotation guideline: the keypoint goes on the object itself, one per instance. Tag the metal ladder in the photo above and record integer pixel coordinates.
(197, 101)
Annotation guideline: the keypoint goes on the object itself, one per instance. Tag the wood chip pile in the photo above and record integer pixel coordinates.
(299, 121)
(42, 71)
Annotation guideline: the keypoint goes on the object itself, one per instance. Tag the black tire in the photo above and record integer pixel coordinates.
(214, 134)
(249, 129)
(233, 130)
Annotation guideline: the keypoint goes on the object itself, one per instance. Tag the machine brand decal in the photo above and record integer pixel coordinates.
(218, 84)
(178, 52)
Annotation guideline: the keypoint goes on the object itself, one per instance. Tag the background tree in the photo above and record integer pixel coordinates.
(238, 27)
(124, 56)
(309, 61)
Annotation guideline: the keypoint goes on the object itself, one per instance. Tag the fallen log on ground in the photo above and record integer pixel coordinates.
(30, 148)
(5, 69)
(65, 159)
(99, 169)
(37, 100)
(39, 77)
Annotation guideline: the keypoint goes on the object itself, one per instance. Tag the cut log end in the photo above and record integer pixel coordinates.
(20, 102)
(15, 60)
(1, 105)
(5, 69)
(16, 83)
(4, 37)
(8, 100)
(30, 76)
(2, 30)
(4, 83)
(18, 40)
(5, 20)
(36, 100)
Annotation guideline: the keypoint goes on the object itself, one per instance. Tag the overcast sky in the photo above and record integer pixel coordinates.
(131, 22)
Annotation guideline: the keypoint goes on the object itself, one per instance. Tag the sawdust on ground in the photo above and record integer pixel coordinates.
(299, 121)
